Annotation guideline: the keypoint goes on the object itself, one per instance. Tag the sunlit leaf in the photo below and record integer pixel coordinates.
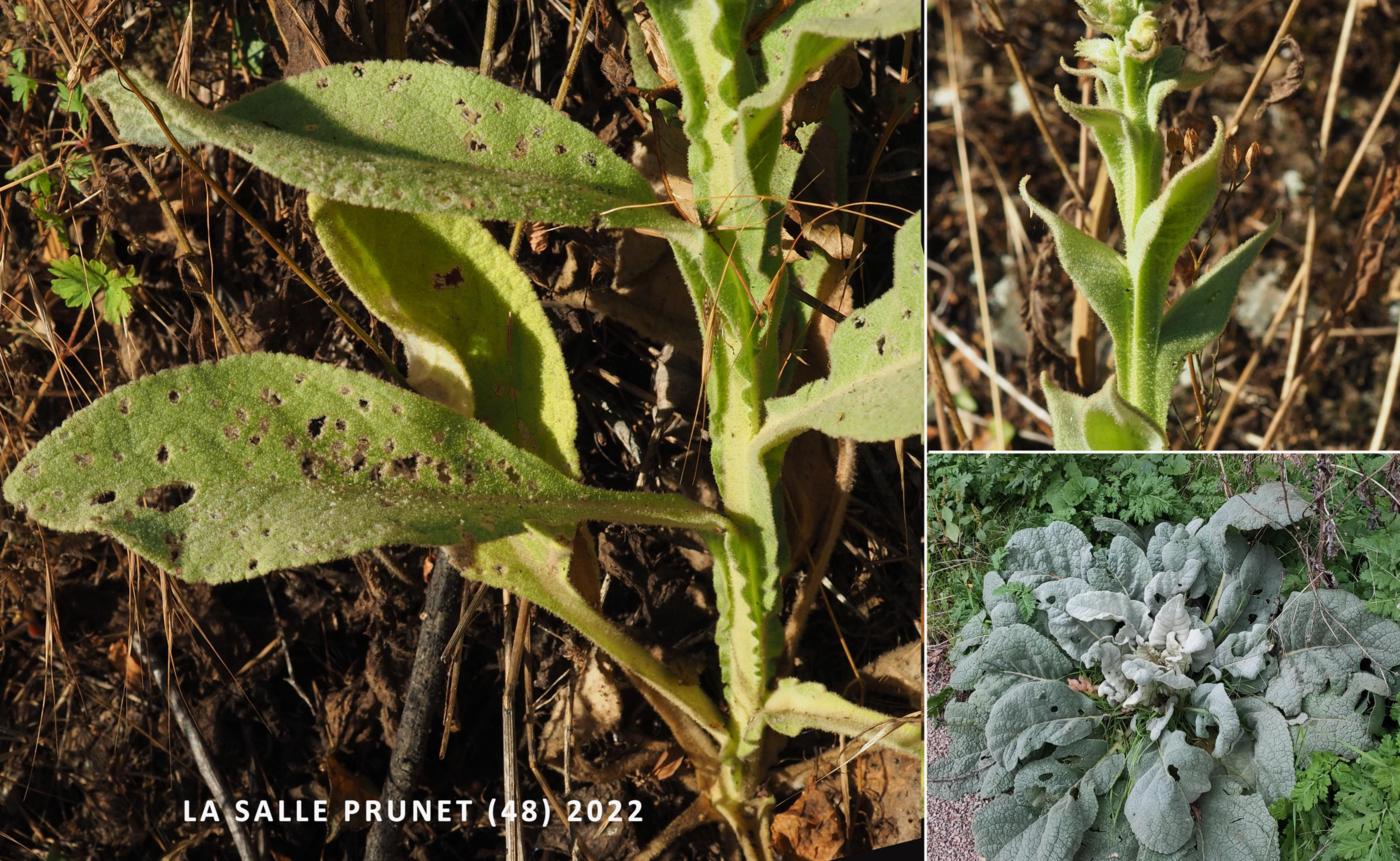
(228, 470)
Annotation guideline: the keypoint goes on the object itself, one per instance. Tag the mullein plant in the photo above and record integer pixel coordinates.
(1133, 72)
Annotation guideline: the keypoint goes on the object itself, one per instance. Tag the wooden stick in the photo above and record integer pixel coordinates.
(203, 762)
(421, 704)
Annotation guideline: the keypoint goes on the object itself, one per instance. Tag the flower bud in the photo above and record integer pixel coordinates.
(1143, 40)
(1102, 53)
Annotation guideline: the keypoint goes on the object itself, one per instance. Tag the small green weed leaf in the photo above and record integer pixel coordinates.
(70, 101)
(1168, 778)
(795, 706)
(1200, 315)
(79, 282)
(808, 34)
(1098, 271)
(1169, 222)
(874, 391)
(409, 136)
(1102, 421)
(22, 87)
(229, 470)
(467, 316)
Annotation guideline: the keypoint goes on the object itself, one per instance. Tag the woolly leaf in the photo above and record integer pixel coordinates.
(1036, 713)
(1076, 635)
(1271, 754)
(1116, 527)
(1100, 422)
(1128, 566)
(1008, 829)
(1236, 824)
(1168, 778)
(1099, 272)
(1117, 606)
(1016, 650)
(1057, 550)
(409, 136)
(1243, 654)
(1249, 594)
(1342, 718)
(1212, 706)
(1323, 637)
(874, 391)
(1272, 505)
(229, 470)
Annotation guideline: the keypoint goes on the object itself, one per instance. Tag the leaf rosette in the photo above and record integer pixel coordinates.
(1152, 699)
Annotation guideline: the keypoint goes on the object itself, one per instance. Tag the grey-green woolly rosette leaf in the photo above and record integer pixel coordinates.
(1146, 698)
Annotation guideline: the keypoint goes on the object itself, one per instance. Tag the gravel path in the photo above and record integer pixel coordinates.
(949, 834)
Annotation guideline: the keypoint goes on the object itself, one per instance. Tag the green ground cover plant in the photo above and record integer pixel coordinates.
(1345, 809)
(256, 463)
(1151, 698)
(1133, 72)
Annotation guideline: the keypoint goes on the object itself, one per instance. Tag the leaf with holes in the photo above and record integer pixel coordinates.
(1157, 682)
(409, 136)
(233, 469)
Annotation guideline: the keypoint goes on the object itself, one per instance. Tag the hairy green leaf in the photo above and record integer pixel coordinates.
(409, 136)
(1103, 421)
(714, 74)
(1119, 144)
(874, 391)
(228, 470)
(1166, 226)
(534, 566)
(1170, 72)
(1200, 315)
(795, 706)
(1097, 271)
(467, 316)
(802, 39)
